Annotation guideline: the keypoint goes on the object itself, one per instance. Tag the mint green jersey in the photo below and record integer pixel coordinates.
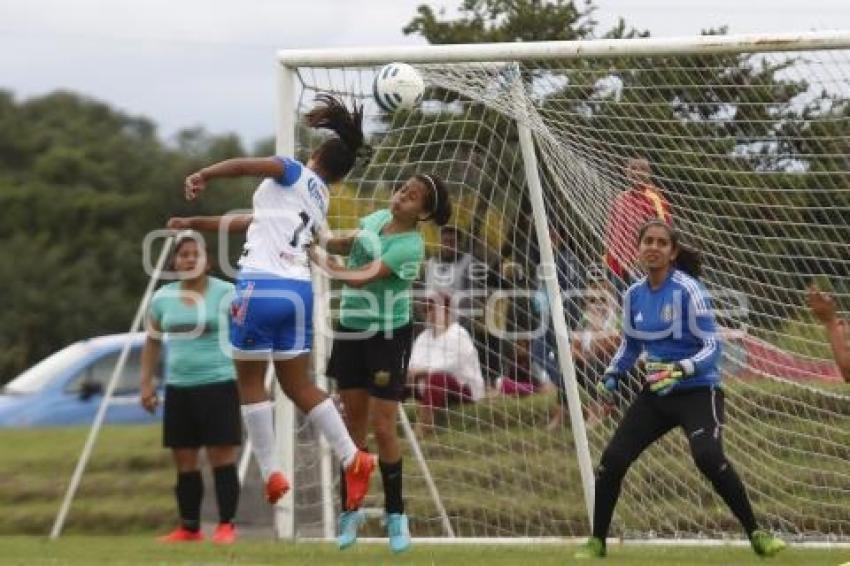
(384, 304)
(195, 335)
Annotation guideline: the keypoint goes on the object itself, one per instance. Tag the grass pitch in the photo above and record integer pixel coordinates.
(116, 550)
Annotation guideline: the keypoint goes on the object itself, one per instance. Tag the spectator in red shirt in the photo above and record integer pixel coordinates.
(641, 202)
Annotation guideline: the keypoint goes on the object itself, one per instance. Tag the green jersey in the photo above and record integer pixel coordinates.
(195, 334)
(384, 304)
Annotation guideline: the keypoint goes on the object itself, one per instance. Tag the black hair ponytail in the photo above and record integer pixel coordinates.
(689, 260)
(335, 158)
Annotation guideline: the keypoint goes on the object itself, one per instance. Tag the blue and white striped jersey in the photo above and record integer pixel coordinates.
(674, 323)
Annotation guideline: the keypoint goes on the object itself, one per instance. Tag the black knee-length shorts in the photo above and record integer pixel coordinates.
(202, 415)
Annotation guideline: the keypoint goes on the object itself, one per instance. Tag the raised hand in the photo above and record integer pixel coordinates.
(194, 186)
(822, 304)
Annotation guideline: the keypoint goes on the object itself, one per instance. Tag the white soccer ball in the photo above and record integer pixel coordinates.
(398, 86)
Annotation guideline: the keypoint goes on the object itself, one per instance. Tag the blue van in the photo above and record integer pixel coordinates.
(66, 388)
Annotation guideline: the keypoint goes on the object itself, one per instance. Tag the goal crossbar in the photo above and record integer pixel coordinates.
(544, 50)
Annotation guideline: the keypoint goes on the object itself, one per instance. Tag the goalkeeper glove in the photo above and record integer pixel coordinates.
(662, 376)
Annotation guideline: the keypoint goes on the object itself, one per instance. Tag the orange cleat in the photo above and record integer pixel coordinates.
(357, 479)
(225, 533)
(276, 487)
(182, 534)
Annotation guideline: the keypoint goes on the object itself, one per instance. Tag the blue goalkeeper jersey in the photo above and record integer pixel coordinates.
(674, 323)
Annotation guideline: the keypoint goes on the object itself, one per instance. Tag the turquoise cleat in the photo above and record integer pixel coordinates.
(349, 522)
(398, 532)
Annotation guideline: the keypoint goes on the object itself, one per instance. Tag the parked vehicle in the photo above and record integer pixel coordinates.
(66, 388)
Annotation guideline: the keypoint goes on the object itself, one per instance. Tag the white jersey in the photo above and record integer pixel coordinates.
(287, 210)
(452, 352)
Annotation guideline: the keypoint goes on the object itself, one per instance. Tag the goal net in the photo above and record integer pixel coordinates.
(749, 149)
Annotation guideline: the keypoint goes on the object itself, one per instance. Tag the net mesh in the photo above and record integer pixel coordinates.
(750, 154)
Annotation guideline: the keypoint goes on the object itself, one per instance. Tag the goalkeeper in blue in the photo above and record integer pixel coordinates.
(668, 317)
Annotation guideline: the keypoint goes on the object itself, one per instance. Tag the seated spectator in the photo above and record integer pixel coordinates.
(519, 317)
(458, 273)
(521, 380)
(571, 282)
(451, 270)
(443, 366)
(823, 307)
(592, 345)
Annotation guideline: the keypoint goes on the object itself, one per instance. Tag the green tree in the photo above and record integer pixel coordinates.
(497, 21)
(80, 186)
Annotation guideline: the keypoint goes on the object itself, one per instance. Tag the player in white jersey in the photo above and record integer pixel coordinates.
(271, 316)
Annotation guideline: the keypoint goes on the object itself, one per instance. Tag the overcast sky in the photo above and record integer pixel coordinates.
(209, 62)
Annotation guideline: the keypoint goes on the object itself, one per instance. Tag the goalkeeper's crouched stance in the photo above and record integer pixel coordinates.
(668, 316)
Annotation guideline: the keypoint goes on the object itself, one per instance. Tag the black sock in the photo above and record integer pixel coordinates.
(391, 477)
(189, 491)
(730, 487)
(343, 491)
(226, 492)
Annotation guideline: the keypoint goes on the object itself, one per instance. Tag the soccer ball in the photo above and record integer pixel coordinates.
(398, 86)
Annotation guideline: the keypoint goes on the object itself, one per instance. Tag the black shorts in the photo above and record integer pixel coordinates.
(377, 363)
(202, 415)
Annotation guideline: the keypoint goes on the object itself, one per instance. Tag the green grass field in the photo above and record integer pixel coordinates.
(126, 488)
(142, 550)
(500, 474)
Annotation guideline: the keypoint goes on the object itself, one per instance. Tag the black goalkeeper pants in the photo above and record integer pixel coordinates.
(699, 412)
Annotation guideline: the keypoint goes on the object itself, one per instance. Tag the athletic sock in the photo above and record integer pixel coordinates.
(391, 478)
(189, 492)
(259, 424)
(226, 492)
(327, 419)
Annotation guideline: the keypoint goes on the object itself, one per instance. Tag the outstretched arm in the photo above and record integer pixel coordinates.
(352, 277)
(238, 167)
(823, 307)
(229, 223)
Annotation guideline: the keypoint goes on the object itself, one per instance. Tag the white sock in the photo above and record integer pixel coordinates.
(327, 419)
(258, 418)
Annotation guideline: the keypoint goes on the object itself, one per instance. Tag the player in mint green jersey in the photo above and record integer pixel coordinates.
(201, 399)
(372, 344)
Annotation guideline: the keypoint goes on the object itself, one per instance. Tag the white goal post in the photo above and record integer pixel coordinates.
(747, 138)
